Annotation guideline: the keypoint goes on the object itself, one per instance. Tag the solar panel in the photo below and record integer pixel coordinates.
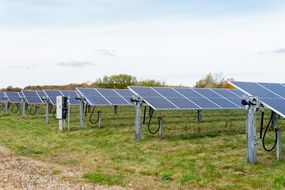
(126, 94)
(32, 97)
(41, 93)
(51, 95)
(13, 97)
(103, 97)
(216, 98)
(161, 98)
(272, 95)
(2, 95)
(72, 94)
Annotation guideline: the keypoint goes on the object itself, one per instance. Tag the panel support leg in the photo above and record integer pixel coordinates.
(23, 107)
(253, 104)
(199, 115)
(47, 111)
(278, 131)
(81, 112)
(115, 110)
(99, 119)
(6, 107)
(138, 121)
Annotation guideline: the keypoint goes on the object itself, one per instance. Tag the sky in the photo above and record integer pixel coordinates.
(178, 42)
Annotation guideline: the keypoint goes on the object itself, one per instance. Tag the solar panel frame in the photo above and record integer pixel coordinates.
(32, 97)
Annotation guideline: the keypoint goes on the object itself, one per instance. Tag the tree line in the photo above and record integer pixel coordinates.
(122, 81)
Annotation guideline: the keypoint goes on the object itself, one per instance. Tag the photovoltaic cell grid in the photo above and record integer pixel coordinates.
(51, 95)
(13, 97)
(32, 97)
(72, 94)
(272, 95)
(2, 95)
(105, 97)
(41, 93)
(161, 98)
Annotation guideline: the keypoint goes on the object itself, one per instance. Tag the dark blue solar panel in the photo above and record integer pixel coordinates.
(41, 93)
(176, 98)
(253, 88)
(92, 96)
(274, 87)
(72, 94)
(217, 99)
(153, 98)
(187, 98)
(195, 97)
(32, 97)
(51, 95)
(126, 94)
(270, 94)
(225, 93)
(238, 92)
(13, 97)
(113, 97)
(2, 95)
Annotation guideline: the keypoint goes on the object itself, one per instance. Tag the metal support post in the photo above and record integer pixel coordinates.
(115, 110)
(99, 119)
(60, 122)
(81, 113)
(253, 104)
(199, 115)
(278, 131)
(47, 111)
(6, 107)
(68, 113)
(23, 107)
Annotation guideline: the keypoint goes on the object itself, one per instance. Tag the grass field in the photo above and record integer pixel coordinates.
(191, 155)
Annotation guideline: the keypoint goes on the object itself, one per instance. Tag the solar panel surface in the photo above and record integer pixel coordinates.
(2, 95)
(13, 97)
(32, 97)
(161, 98)
(51, 95)
(72, 94)
(104, 97)
(41, 93)
(272, 95)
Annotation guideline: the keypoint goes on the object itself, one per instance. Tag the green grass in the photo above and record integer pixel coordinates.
(208, 155)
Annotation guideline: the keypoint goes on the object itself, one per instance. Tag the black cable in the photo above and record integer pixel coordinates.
(13, 110)
(264, 135)
(31, 109)
(53, 113)
(148, 125)
(261, 124)
(91, 114)
(144, 114)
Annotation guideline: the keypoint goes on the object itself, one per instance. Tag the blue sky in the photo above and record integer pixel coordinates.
(64, 41)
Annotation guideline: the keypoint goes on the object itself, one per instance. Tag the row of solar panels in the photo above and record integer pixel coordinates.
(159, 98)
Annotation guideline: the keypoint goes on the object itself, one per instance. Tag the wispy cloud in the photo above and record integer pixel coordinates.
(280, 50)
(75, 64)
(23, 67)
(106, 52)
